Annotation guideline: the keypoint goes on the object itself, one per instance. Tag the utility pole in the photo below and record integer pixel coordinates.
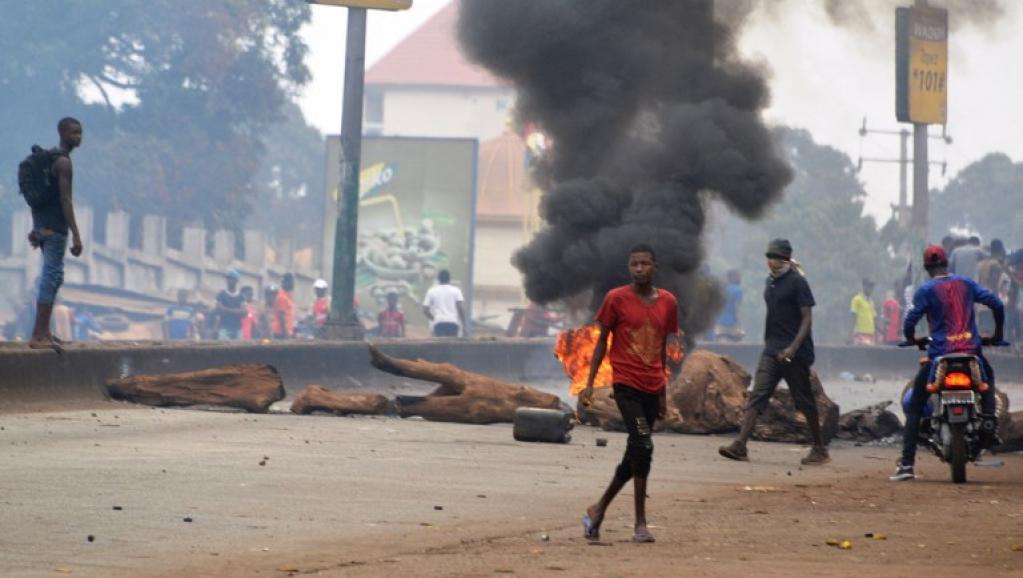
(343, 321)
(921, 192)
(901, 211)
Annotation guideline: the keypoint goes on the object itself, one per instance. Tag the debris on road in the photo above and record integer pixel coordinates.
(315, 398)
(462, 396)
(252, 387)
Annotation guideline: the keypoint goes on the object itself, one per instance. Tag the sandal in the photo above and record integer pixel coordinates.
(643, 537)
(590, 531)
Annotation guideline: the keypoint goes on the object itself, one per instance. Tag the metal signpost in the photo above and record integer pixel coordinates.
(343, 322)
(921, 45)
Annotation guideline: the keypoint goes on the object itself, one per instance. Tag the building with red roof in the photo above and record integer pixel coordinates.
(425, 86)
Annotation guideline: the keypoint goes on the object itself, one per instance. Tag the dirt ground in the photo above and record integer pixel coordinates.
(929, 528)
(390, 497)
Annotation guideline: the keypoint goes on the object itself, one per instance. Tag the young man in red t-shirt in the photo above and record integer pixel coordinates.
(642, 318)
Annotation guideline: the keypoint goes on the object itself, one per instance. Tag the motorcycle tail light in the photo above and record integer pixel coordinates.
(958, 380)
(932, 388)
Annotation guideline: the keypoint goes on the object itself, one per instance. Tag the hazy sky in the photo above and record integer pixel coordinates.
(823, 78)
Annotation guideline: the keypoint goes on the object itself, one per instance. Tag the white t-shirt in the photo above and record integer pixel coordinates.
(443, 302)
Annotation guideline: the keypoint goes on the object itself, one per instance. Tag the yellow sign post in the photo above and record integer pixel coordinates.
(922, 65)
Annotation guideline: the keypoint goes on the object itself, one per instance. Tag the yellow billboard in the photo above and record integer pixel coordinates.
(922, 70)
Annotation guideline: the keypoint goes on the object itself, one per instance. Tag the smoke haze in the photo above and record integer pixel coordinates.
(650, 111)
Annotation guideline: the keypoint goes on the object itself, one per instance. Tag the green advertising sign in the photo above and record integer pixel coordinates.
(416, 217)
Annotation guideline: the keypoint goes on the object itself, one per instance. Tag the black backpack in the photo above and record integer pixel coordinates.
(35, 177)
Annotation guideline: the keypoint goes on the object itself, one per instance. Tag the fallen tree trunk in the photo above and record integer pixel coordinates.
(252, 387)
(461, 396)
(709, 396)
(316, 398)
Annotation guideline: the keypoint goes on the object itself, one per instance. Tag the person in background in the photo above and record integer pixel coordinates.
(864, 315)
(86, 326)
(443, 306)
(788, 353)
(321, 305)
(230, 309)
(536, 321)
(728, 325)
(391, 321)
(249, 319)
(264, 315)
(993, 275)
(179, 320)
(891, 319)
(284, 309)
(964, 259)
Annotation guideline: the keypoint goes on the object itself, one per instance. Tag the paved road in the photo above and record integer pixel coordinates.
(325, 480)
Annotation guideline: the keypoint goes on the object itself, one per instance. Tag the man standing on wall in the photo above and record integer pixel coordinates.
(642, 319)
(788, 353)
(51, 222)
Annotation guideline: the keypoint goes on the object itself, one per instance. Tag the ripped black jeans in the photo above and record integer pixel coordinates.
(639, 411)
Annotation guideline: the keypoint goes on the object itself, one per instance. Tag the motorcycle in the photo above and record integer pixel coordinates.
(956, 429)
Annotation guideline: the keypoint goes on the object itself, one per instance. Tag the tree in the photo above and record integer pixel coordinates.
(175, 96)
(822, 215)
(290, 181)
(986, 197)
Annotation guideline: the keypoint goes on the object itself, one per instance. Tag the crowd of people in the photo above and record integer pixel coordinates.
(236, 314)
(990, 266)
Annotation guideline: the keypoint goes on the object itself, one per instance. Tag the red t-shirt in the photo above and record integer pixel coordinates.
(893, 313)
(638, 331)
(392, 323)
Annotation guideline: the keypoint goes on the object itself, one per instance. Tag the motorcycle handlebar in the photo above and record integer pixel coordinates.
(920, 343)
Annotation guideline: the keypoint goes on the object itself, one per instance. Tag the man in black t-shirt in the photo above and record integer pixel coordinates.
(788, 353)
(230, 308)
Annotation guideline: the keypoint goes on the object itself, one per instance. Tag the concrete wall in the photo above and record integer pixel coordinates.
(32, 377)
(150, 267)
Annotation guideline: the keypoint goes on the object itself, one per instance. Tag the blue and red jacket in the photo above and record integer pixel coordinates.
(948, 303)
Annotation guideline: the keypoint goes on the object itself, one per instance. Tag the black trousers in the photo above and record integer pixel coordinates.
(639, 412)
(795, 373)
(445, 329)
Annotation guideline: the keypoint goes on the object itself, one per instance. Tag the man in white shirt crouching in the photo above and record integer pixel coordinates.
(443, 307)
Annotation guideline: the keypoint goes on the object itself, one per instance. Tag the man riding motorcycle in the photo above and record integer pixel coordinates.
(947, 301)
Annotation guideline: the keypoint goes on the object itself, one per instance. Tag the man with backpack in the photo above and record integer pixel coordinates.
(45, 181)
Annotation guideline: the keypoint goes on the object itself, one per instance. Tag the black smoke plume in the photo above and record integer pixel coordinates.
(650, 111)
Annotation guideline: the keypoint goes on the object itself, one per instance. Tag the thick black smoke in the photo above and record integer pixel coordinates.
(650, 110)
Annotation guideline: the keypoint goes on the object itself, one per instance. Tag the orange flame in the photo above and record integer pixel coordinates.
(574, 349)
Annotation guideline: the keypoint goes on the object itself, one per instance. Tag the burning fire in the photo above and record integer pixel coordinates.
(574, 349)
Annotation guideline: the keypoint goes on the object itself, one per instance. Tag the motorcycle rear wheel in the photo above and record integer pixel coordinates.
(957, 453)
